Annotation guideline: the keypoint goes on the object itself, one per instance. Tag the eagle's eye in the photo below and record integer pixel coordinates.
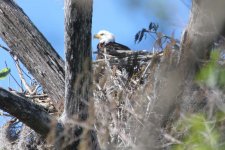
(102, 34)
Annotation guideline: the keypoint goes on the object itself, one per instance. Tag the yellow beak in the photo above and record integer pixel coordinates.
(97, 36)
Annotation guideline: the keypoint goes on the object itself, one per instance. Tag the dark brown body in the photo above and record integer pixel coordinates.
(110, 48)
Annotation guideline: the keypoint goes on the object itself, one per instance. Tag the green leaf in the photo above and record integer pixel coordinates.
(221, 78)
(211, 75)
(4, 72)
(200, 134)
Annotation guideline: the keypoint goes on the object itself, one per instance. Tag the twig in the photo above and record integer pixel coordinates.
(5, 114)
(26, 74)
(146, 68)
(141, 55)
(21, 71)
(21, 77)
(16, 81)
(171, 139)
(37, 96)
(5, 48)
(10, 52)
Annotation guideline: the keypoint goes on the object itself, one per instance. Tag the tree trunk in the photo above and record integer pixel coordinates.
(78, 17)
(33, 50)
(78, 81)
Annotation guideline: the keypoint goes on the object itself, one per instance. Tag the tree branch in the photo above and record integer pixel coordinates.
(26, 111)
(32, 49)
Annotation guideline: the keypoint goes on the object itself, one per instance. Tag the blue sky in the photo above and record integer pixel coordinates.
(117, 16)
(113, 15)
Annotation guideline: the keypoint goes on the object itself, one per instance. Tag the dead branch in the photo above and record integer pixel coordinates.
(27, 87)
(32, 49)
(33, 115)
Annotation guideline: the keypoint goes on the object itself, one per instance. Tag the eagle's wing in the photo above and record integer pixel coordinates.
(116, 46)
(111, 48)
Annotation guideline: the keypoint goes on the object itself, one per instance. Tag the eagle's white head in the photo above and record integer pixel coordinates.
(105, 37)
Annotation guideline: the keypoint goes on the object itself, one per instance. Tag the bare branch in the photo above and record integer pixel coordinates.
(32, 49)
(5, 48)
(27, 87)
(34, 116)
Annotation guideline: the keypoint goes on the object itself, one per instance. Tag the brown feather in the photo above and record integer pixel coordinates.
(111, 48)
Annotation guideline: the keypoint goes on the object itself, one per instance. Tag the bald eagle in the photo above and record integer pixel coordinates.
(107, 42)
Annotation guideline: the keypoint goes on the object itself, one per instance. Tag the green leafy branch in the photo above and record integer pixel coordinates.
(199, 134)
(212, 74)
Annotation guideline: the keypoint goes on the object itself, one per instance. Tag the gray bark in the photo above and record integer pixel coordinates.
(39, 57)
(78, 21)
(33, 115)
(33, 50)
(78, 81)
